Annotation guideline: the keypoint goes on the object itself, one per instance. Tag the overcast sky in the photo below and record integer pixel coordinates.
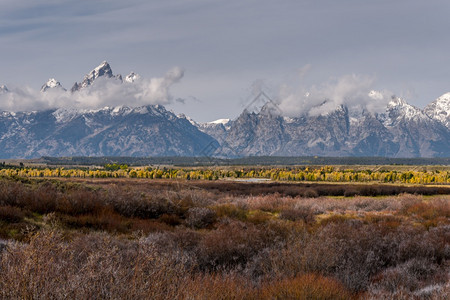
(224, 47)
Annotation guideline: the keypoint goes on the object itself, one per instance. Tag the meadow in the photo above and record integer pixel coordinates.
(187, 238)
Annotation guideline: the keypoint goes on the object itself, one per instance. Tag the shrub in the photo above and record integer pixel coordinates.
(259, 217)
(307, 286)
(310, 193)
(135, 204)
(172, 219)
(79, 201)
(231, 211)
(11, 214)
(267, 203)
(350, 192)
(350, 251)
(2, 246)
(105, 220)
(145, 226)
(226, 286)
(200, 217)
(409, 276)
(231, 245)
(306, 214)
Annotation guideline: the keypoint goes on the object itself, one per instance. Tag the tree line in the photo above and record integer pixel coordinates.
(297, 174)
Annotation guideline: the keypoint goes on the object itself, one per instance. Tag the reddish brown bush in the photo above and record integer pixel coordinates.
(306, 214)
(11, 214)
(227, 286)
(310, 193)
(200, 217)
(172, 219)
(229, 246)
(307, 286)
(107, 220)
(147, 226)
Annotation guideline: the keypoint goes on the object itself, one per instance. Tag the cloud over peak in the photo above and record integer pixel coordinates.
(353, 91)
(95, 91)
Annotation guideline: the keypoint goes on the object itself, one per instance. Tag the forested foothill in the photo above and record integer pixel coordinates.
(241, 161)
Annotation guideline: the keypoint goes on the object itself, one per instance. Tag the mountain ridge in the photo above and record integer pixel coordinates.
(401, 130)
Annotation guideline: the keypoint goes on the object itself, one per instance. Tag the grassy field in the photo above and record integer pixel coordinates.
(137, 238)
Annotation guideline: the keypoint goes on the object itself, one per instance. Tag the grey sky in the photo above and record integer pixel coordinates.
(224, 46)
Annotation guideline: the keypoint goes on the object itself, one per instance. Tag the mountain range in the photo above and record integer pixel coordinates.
(401, 130)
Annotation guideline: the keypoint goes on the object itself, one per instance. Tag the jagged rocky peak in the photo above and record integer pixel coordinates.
(270, 109)
(397, 102)
(3, 89)
(440, 109)
(132, 77)
(261, 102)
(103, 70)
(52, 83)
(398, 108)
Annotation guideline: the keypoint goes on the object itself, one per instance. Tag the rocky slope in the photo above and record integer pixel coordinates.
(120, 131)
(401, 131)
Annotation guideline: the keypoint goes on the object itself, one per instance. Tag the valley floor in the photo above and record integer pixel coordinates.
(130, 238)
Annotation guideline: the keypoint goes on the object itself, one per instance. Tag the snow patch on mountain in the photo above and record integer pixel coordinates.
(65, 115)
(220, 121)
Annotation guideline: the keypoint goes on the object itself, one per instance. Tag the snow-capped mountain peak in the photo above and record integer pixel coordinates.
(102, 70)
(398, 108)
(440, 109)
(103, 66)
(132, 77)
(397, 102)
(51, 84)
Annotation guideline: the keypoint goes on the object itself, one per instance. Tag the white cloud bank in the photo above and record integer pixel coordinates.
(103, 92)
(354, 91)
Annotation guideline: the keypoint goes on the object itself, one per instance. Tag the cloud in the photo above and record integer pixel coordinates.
(103, 92)
(353, 91)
